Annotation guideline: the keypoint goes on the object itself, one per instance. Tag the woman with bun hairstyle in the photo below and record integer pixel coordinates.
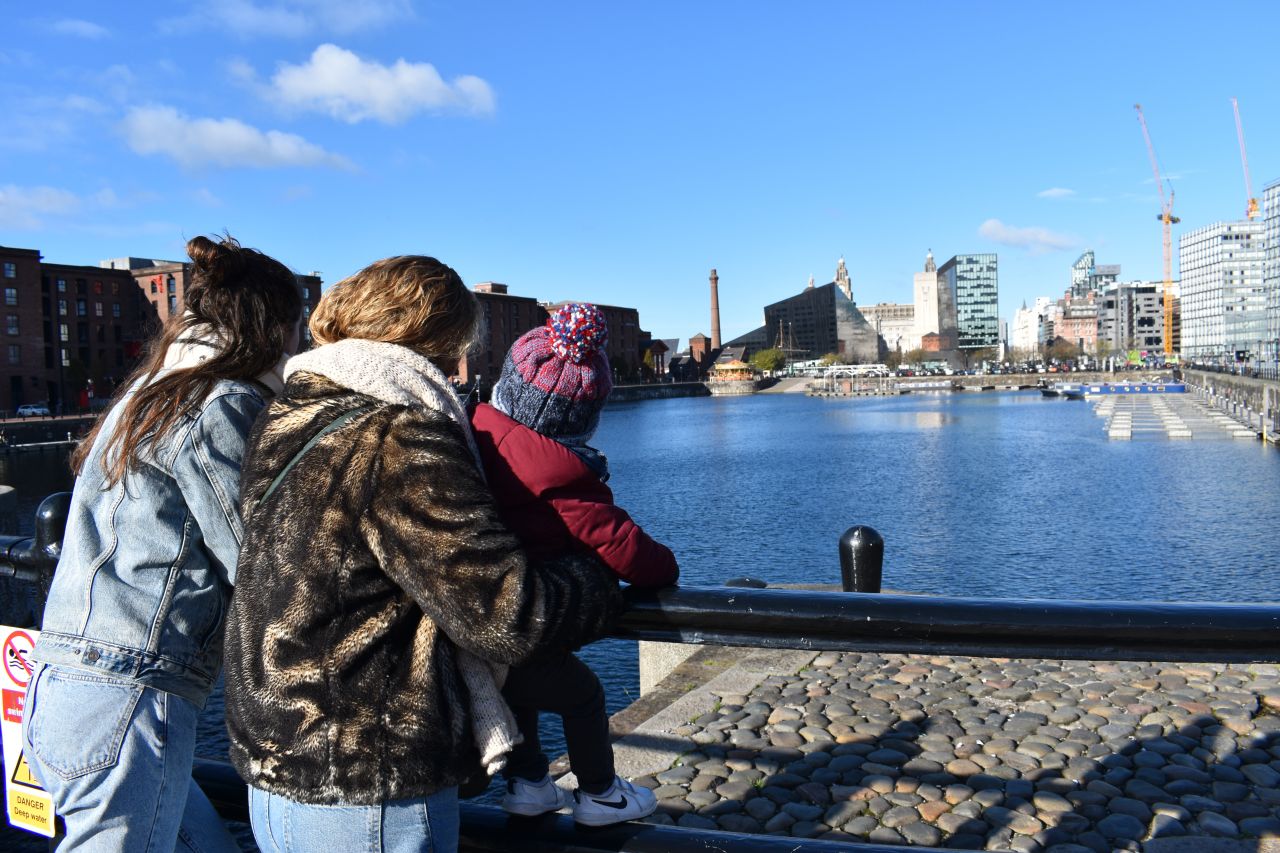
(133, 627)
(378, 587)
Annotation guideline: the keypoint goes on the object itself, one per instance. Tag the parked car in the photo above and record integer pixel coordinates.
(33, 410)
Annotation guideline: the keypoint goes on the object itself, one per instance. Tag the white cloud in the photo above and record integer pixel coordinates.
(206, 197)
(289, 18)
(80, 29)
(1034, 239)
(224, 143)
(1056, 192)
(25, 207)
(341, 84)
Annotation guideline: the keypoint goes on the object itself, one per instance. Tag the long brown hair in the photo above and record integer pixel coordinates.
(248, 300)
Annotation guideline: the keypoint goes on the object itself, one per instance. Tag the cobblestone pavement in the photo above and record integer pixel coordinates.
(980, 753)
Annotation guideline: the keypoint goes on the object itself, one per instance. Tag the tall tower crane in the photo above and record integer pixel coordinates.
(1251, 208)
(1167, 218)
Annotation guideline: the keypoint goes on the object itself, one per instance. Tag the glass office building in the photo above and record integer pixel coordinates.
(1271, 268)
(974, 284)
(1224, 306)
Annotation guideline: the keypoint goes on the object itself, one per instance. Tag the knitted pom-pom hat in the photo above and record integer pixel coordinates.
(555, 379)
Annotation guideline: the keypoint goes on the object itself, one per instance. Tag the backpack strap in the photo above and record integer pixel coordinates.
(330, 427)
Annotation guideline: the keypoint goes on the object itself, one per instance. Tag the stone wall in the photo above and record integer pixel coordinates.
(1253, 401)
(658, 391)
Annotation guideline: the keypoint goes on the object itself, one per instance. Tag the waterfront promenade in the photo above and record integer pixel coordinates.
(967, 753)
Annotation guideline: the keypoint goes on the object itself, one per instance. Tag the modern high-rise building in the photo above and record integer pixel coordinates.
(1090, 277)
(974, 282)
(1224, 304)
(1271, 269)
(1131, 317)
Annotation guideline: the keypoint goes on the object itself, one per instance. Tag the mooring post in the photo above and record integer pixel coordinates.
(861, 559)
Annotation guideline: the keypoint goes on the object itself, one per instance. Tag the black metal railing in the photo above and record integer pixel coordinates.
(858, 619)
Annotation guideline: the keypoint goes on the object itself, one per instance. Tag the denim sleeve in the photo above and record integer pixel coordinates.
(207, 469)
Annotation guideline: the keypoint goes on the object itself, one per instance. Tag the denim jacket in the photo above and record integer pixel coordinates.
(147, 566)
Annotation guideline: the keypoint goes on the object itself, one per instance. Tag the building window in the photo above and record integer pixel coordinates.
(11, 296)
(97, 309)
(64, 332)
(115, 288)
(82, 308)
(66, 359)
(171, 285)
(306, 293)
(11, 324)
(10, 270)
(97, 288)
(62, 307)
(82, 286)
(62, 285)
(155, 285)
(173, 305)
(15, 354)
(115, 309)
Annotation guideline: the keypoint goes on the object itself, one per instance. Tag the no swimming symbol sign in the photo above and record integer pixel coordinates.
(27, 805)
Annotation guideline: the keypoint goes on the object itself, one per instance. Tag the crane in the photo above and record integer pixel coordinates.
(1251, 208)
(1167, 218)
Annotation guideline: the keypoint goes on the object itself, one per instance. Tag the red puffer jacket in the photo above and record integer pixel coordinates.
(554, 503)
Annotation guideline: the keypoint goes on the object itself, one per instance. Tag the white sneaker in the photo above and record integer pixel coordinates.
(531, 799)
(623, 801)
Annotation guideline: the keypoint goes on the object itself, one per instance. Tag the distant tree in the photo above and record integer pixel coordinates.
(829, 359)
(977, 356)
(769, 360)
(914, 356)
(1062, 350)
(893, 360)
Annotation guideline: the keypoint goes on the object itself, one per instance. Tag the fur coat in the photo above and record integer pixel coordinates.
(364, 571)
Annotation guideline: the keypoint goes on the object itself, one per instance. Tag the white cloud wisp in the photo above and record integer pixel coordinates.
(289, 18)
(80, 29)
(1056, 192)
(24, 207)
(222, 143)
(341, 84)
(1034, 239)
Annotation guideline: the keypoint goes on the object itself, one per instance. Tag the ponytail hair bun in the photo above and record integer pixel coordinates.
(218, 264)
(578, 331)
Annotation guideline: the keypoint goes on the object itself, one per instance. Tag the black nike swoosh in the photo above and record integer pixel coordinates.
(620, 803)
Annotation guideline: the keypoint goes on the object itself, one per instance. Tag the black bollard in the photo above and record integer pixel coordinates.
(861, 559)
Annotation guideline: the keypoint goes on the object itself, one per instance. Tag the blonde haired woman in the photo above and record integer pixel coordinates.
(376, 578)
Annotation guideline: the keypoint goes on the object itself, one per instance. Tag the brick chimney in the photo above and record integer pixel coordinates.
(715, 311)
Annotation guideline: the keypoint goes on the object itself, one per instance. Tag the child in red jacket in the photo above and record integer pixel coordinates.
(549, 484)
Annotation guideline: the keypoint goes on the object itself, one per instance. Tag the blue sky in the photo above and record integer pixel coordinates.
(616, 152)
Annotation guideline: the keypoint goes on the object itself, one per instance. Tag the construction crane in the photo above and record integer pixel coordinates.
(1167, 218)
(1251, 208)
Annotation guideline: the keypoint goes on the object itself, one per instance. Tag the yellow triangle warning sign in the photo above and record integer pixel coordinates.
(22, 774)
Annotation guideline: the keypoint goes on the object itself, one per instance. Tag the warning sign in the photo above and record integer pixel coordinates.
(26, 803)
(22, 774)
(17, 656)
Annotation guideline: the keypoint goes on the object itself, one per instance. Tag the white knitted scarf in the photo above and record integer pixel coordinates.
(398, 375)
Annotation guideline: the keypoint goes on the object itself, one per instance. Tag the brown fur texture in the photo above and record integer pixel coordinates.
(378, 556)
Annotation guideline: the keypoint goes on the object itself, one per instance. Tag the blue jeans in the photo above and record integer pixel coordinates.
(116, 757)
(418, 825)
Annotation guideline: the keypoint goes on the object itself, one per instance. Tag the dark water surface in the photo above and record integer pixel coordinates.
(991, 494)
